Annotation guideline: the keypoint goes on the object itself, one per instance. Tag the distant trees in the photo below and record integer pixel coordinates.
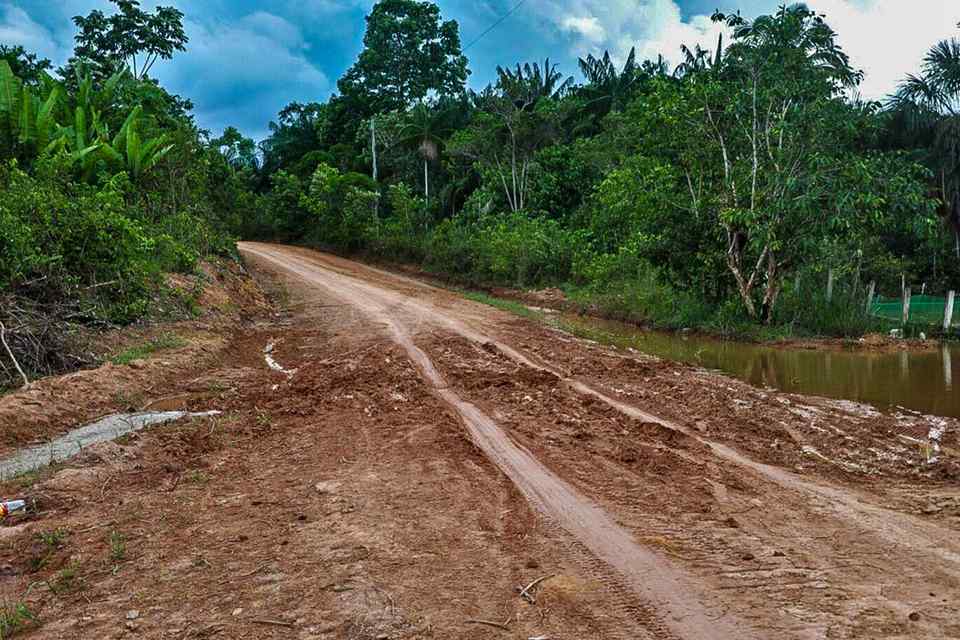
(718, 179)
(608, 89)
(927, 108)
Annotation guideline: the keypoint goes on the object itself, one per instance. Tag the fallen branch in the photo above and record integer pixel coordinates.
(488, 623)
(525, 592)
(3, 339)
(275, 623)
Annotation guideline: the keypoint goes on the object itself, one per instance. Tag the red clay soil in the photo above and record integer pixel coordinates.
(422, 458)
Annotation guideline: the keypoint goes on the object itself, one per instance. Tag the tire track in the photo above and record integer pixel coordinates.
(671, 606)
(892, 526)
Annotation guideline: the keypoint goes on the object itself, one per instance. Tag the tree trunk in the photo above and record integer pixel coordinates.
(744, 288)
(772, 290)
(426, 180)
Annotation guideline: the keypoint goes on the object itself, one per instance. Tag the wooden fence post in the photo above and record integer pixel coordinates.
(906, 305)
(948, 311)
(871, 290)
(829, 285)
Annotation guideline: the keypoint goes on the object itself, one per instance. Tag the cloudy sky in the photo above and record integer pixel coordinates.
(248, 58)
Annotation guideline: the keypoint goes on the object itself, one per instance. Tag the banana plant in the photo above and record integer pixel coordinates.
(36, 122)
(27, 116)
(137, 155)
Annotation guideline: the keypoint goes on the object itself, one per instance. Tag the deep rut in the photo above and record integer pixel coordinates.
(669, 605)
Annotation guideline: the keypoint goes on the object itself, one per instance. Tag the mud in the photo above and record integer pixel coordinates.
(76, 440)
(431, 456)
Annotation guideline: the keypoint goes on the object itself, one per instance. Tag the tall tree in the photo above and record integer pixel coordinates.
(408, 54)
(424, 128)
(927, 108)
(240, 152)
(109, 43)
(528, 84)
(775, 118)
(607, 88)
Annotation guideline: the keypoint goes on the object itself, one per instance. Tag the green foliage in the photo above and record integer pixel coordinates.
(344, 205)
(165, 340)
(109, 43)
(685, 198)
(118, 546)
(407, 53)
(514, 249)
(14, 618)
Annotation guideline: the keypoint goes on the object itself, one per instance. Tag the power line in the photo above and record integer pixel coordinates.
(494, 25)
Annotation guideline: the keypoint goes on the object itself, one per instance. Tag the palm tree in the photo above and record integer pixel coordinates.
(698, 59)
(530, 83)
(425, 127)
(927, 107)
(608, 89)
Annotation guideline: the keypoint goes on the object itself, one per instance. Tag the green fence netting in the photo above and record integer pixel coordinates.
(923, 309)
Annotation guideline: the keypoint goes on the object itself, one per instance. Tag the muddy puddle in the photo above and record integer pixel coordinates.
(924, 381)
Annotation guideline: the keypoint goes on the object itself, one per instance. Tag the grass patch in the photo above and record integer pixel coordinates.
(511, 306)
(118, 546)
(14, 618)
(197, 477)
(66, 579)
(165, 340)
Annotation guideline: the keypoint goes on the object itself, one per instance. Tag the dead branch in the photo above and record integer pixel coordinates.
(3, 339)
(275, 623)
(525, 592)
(488, 623)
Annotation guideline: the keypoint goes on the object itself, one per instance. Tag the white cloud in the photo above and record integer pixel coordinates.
(243, 73)
(887, 39)
(587, 27)
(653, 26)
(17, 27)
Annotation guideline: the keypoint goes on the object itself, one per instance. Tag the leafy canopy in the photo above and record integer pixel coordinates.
(407, 54)
(107, 43)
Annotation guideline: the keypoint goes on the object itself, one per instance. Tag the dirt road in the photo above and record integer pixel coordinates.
(402, 462)
(673, 597)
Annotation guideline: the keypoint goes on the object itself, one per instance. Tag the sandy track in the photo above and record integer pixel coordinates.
(673, 599)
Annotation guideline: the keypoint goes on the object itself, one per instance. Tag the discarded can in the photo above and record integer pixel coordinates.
(11, 506)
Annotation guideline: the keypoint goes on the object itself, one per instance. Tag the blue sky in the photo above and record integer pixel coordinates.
(248, 58)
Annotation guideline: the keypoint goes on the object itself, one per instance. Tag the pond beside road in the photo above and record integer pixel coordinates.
(925, 381)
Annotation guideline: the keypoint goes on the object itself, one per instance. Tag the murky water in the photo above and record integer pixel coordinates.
(927, 381)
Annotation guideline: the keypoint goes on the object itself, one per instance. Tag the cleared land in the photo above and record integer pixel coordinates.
(413, 458)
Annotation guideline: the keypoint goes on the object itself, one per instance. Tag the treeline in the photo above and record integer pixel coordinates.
(715, 193)
(106, 182)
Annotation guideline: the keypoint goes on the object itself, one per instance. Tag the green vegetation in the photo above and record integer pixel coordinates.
(716, 195)
(165, 340)
(14, 618)
(118, 546)
(67, 579)
(106, 184)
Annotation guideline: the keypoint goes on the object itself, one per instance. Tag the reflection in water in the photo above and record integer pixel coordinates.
(947, 368)
(921, 380)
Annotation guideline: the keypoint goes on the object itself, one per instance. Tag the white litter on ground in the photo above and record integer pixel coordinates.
(273, 364)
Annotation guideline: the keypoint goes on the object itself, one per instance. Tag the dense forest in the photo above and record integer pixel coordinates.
(717, 193)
